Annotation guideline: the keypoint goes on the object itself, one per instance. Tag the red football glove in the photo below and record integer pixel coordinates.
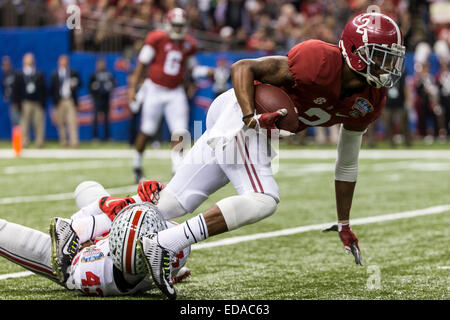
(111, 206)
(149, 190)
(267, 120)
(349, 240)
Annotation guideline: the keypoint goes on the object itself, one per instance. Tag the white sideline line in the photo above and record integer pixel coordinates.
(64, 166)
(166, 154)
(285, 232)
(16, 275)
(61, 196)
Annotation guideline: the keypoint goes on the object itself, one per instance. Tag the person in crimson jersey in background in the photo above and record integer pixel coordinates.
(164, 60)
(328, 84)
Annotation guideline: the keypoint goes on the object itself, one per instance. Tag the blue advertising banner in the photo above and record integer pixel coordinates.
(48, 43)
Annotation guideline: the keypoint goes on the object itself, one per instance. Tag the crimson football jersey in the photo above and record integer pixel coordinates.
(317, 70)
(168, 65)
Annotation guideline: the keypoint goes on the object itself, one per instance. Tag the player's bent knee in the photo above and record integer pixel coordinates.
(246, 209)
(88, 192)
(169, 205)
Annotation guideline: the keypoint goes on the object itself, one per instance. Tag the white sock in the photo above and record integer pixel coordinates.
(137, 159)
(89, 228)
(91, 209)
(179, 237)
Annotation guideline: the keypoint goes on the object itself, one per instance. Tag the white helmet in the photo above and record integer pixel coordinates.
(177, 23)
(132, 222)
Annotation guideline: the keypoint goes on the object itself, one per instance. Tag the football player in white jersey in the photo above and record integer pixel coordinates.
(94, 269)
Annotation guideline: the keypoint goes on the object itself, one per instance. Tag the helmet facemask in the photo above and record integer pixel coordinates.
(384, 65)
(176, 31)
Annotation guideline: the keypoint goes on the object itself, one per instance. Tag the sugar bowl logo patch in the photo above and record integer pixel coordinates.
(361, 108)
(91, 254)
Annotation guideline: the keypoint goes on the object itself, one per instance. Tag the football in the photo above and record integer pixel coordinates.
(270, 98)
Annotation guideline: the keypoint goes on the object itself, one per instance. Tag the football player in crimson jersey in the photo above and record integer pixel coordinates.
(329, 84)
(89, 268)
(164, 60)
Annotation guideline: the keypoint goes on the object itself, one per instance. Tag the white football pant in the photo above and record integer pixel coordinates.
(244, 161)
(160, 100)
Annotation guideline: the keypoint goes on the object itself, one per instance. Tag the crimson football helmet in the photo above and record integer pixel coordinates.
(177, 23)
(372, 45)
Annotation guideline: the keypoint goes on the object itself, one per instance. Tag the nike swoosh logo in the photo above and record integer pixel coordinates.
(341, 115)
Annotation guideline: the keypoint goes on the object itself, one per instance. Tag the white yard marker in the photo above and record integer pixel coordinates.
(166, 154)
(64, 166)
(16, 275)
(61, 196)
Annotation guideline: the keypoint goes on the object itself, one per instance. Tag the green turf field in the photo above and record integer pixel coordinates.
(403, 258)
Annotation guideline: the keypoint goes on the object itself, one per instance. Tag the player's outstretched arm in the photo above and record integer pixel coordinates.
(346, 173)
(272, 70)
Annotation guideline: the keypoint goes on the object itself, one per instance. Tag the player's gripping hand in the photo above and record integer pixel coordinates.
(349, 240)
(149, 190)
(111, 206)
(265, 120)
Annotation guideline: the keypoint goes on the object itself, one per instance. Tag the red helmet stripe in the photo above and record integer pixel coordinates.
(129, 253)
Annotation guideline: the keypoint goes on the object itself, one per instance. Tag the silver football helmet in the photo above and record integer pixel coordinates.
(132, 222)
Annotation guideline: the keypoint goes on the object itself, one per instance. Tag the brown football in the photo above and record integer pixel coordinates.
(270, 98)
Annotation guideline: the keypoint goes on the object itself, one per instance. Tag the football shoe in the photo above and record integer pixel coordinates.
(158, 262)
(65, 245)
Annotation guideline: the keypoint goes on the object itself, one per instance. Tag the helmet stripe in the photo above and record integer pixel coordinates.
(130, 242)
(397, 30)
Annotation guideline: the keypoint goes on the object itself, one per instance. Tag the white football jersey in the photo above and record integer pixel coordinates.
(92, 273)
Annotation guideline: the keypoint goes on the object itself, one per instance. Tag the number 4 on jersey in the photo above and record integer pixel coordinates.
(91, 281)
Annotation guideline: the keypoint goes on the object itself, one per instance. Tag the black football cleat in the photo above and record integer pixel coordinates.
(65, 245)
(158, 262)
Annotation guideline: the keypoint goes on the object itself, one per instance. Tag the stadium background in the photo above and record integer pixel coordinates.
(401, 204)
(229, 30)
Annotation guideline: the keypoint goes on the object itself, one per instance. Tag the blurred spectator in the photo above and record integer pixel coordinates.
(261, 41)
(428, 110)
(7, 89)
(395, 114)
(443, 81)
(65, 83)
(324, 135)
(222, 76)
(29, 93)
(234, 13)
(101, 86)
